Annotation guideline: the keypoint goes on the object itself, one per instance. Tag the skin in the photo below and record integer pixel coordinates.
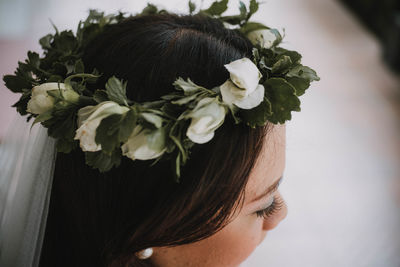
(237, 240)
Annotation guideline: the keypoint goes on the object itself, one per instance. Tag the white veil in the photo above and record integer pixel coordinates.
(27, 158)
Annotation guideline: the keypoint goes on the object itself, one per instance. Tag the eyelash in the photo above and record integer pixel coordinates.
(271, 209)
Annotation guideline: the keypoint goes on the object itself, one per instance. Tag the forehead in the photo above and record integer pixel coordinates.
(270, 164)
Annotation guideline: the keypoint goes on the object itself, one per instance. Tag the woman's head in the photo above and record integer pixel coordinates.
(102, 219)
(262, 210)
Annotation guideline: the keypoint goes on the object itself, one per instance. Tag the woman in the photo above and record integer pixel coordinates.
(99, 219)
(136, 213)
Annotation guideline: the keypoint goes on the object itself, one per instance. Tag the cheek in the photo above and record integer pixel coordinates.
(227, 248)
(234, 243)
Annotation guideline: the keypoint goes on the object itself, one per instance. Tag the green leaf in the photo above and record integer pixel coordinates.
(65, 42)
(70, 67)
(171, 110)
(116, 91)
(282, 65)
(294, 56)
(16, 83)
(304, 72)
(128, 123)
(78, 87)
(234, 112)
(282, 96)
(171, 96)
(217, 8)
(187, 144)
(253, 7)
(178, 163)
(179, 145)
(22, 103)
(83, 76)
(91, 29)
(95, 76)
(59, 68)
(152, 118)
(252, 26)
(25, 70)
(300, 84)
(94, 16)
(257, 116)
(157, 104)
(192, 7)
(300, 77)
(79, 67)
(185, 100)
(243, 10)
(43, 117)
(149, 9)
(102, 161)
(33, 59)
(54, 26)
(65, 146)
(189, 87)
(115, 129)
(45, 41)
(63, 121)
(278, 36)
(175, 134)
(107, 133)
(64, 97)
(100, 96)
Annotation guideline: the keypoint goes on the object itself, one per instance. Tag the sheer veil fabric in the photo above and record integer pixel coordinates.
(27, 158)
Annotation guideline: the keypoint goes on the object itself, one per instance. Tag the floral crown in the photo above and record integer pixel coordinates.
(108, 125)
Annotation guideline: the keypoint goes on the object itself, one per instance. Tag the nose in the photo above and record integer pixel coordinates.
(273, 221)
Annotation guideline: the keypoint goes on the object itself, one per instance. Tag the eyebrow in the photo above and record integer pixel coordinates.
(270, 189)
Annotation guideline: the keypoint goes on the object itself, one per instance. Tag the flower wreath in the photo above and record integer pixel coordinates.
(108, 125)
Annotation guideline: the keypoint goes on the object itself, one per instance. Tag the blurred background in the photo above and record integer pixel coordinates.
(342, 177)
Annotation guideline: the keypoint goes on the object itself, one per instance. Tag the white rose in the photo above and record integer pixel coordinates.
(245, 74)
(41, 102)
(265, 38)
(89, 119)
(207, 116)
(230, 96)
(139, 144)
(243, 88)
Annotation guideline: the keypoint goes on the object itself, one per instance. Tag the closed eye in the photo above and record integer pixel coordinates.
(276, 205)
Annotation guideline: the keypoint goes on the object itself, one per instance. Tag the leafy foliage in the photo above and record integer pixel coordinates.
(62, 53)
(115, 129)
(103, 161)
(257, 116)
(192, 7)
(217, 8)
(116, 91)
(283, 97)
(252, 26)
(284, 79)
(166, 120)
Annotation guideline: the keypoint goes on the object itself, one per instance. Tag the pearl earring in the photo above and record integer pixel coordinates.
(145, 253)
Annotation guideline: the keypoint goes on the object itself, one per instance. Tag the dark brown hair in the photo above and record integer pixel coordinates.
(102, 219)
